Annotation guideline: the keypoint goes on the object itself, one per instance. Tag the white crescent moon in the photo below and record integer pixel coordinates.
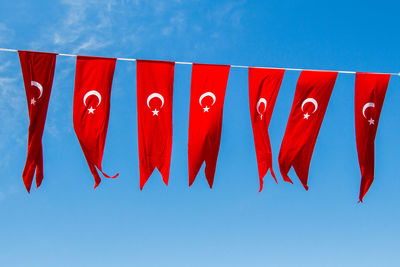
(261, 100)
(207, 94)
(311, 100)
(157, 95)
(93, 92)
(368, 105)
(38, 86)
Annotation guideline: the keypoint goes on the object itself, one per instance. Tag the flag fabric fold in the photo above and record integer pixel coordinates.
(91, 108)
(155, 82)
(313, 91)
(370, 91)
(38, 72)
(207, 94)
(264, 86)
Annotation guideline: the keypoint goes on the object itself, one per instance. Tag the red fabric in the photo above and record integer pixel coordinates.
(38, 72)
(370, 91)
(93, 81)
(155, 82)
(313, 91)
(205, 118)
(264, 86)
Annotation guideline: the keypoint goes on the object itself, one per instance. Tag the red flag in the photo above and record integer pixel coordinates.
(205, 118)
(370, 93)
(313, 91)
(38, 72)
(93, 81)
(155, 82)
(264, 86)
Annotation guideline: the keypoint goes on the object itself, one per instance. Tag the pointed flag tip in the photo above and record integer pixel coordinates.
(115, 176)
(107, 176)
(38, 185)
(210, 181)
(27, 189)
(273, 174)
(286, 178)
(165, 179)
(96, 185)
(288, 181)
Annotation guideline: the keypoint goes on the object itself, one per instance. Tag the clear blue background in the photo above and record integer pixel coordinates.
(66, 223)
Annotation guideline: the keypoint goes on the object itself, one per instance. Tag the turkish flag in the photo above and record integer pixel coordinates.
(370, 91)
(207, 96)
(264, 86)
(93, 81)
(38, 72)
(313, 91)
(155, 83)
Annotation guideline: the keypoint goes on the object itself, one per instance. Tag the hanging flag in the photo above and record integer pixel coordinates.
(207, 96)
(93, 81)
(264, 86)
(313, 91)
(38, 72)
(155, 83)
(370, 91)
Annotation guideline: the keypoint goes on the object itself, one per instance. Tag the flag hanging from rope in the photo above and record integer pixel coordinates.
(264, 86)
(370, 91)
(207, 96)
(313, 91)
(91, 108)
(38, 72)
(155, 82)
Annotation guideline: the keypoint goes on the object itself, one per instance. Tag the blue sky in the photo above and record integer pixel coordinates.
(66, 223)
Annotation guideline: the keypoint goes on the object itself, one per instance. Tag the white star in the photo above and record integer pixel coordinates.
(206, 109)
(91, 110)
(261, 116)
(33, 101)
(306, 116)
(155, 112)
(371, 121)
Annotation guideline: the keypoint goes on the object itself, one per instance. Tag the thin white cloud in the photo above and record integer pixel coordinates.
(177, 24)
(81, 26)
(84, 26)
(12, 109)
(229, 12)
(91, 44)
(5, 65)
(6, 34)
(12, 102)
(11, 190)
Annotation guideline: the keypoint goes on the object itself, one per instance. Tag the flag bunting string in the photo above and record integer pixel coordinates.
(232, 66)
(155, 80)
